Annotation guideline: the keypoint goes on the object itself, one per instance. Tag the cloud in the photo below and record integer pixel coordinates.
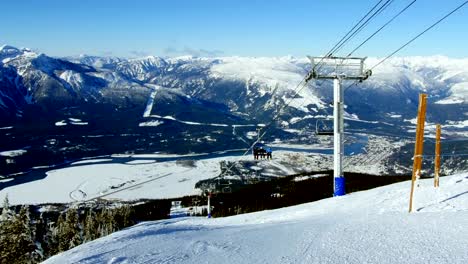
(139, 53)
(172, 51)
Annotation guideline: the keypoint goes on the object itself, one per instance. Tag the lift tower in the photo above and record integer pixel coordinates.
(338, 69)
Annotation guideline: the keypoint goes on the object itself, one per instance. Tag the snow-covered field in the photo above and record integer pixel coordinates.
(139, 176)
(129, 177)
(159, 176)
(364, 227)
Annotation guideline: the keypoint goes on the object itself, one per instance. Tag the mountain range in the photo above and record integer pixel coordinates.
(236, 88)
(193, 104)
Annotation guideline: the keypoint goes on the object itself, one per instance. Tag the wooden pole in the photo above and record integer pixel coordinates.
(418, 146)
(437, 157)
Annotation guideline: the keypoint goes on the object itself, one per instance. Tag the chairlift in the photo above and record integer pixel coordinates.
(324, 127)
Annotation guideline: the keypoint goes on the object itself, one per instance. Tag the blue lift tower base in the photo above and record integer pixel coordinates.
(339, 186)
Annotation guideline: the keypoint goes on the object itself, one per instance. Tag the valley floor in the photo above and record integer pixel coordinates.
(160, 176)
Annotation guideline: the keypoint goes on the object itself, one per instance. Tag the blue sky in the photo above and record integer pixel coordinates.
(225, 28)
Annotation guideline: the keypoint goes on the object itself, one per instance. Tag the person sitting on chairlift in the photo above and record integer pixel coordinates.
(268, 153)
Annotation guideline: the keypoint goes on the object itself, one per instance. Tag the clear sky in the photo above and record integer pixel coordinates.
(135, 28)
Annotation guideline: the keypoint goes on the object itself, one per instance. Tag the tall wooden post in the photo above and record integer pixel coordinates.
(437, 157)
(418, 146)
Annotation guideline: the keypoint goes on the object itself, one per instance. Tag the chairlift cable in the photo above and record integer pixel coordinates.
(347, 38)
(349, 32)
(419, 35)
(382, 27)
(377, 12)
(410, 41)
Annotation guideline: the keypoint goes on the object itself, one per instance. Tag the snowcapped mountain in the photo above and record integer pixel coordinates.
(256, 88)
(52, 83)
(364, 227)
(250, 88)
(247, 85)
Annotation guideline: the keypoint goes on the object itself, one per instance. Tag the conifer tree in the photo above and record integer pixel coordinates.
(123, 217)
(62, 238)
(51, 239)
(108, 225)
(18, 239)
(91, 227)
(27, 237)
(7, 213)
(71, 232)
(6, 221)
(41, 231)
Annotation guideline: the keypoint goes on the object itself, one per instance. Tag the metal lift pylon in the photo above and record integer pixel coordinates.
(338, 69)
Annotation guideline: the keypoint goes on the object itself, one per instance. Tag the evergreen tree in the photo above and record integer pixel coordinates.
(70, 231)
(91, 227)
(123, 217)
(6, 221)
(62, 238)
(107, 222)
(41, 231)
(51, 239)
(7, 213)
(18, 244)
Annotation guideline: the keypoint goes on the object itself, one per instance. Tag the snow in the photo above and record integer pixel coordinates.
(13, 153)
(132, 176)
(79, 123)
(364, 227)
(413, 121)
(151, 123)
(87, 161)
(303, 178)
(73, 78)
(459, 94)
(149, 104)
(450, 100)
(61, 123)
(282, 72)
(73, 121)
(460, 124)
(197, 123)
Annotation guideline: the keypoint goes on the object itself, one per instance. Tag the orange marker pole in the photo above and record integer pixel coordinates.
(437, 157)
(418, 146)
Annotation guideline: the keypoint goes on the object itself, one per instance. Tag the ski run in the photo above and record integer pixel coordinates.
(371, 226)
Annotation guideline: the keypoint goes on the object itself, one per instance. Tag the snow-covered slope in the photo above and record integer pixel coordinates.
(365, 227)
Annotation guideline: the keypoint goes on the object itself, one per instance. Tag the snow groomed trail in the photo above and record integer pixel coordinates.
(363, 227)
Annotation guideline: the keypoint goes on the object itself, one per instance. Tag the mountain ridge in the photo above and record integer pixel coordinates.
(254, 87)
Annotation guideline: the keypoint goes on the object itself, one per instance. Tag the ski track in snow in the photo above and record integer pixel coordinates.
(149, 104)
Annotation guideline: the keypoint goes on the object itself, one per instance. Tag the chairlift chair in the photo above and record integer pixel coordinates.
(324, 127)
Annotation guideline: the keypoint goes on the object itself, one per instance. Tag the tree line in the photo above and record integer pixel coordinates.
(31, 237)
